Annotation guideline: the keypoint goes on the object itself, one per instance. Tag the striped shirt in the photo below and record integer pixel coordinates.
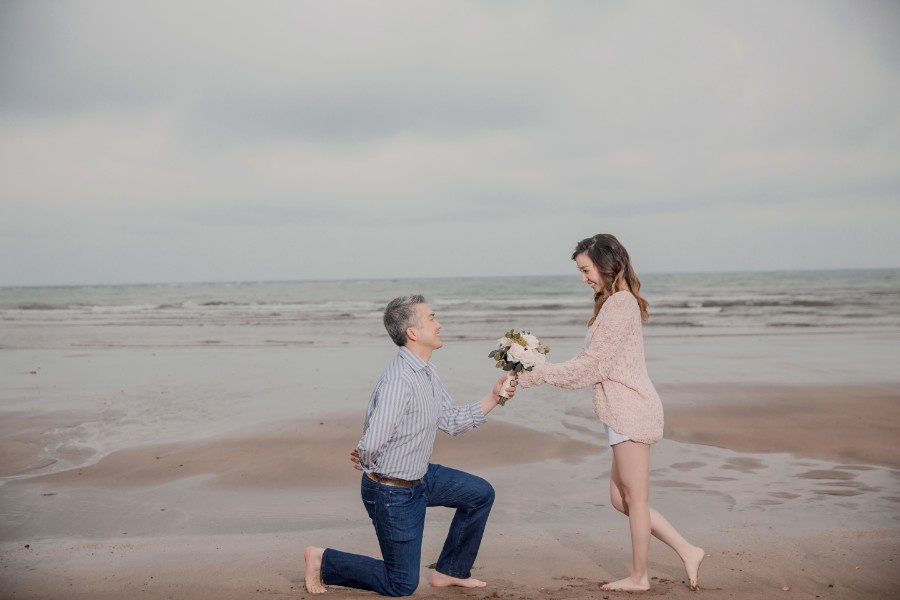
(406, 409)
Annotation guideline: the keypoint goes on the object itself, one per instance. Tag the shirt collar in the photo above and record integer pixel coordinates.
(414, 360)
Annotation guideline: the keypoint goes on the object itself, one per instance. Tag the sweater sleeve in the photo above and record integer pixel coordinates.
(575, 373)
(592, 365)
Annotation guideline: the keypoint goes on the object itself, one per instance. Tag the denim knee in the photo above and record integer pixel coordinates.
(487, 494)
(403, 587)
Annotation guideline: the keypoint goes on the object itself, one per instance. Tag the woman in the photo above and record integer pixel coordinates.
(624, 399)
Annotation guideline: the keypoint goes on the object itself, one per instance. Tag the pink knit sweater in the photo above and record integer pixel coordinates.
(613, 362)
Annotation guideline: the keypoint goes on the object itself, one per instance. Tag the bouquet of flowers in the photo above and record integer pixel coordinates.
(517, 351)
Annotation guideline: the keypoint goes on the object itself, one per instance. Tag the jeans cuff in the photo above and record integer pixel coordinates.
(451, 573)
(322, 569)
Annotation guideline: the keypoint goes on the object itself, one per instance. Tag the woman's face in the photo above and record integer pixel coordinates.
(588, 270)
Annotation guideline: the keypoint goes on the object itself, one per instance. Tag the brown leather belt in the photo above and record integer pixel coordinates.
(393, 481)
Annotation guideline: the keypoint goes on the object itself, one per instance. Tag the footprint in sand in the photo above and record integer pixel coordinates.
(784, 495)
(688, 466)
(744, 465)
(827, 474)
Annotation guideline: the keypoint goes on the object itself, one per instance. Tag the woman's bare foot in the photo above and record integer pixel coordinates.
(441, 580)
(627, 585)
(313, 558)
(692, 567)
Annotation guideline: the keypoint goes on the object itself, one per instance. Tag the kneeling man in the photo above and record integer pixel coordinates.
(406, 409)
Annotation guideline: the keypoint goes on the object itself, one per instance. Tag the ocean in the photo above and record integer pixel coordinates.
(110, 367)
(317, 312)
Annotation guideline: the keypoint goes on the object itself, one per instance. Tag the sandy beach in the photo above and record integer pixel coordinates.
(197, 472)
(214, 217)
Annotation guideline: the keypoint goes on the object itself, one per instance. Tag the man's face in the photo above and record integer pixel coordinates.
(427, 328)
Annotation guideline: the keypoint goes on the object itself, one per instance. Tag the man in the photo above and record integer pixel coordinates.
(406, 409)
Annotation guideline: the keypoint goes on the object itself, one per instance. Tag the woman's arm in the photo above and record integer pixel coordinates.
(575, 373)
(590, 366)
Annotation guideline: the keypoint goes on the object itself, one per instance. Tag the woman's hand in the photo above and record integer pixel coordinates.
(354, 458)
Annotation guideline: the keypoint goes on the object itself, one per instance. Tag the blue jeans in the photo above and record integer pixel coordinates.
(398, 515)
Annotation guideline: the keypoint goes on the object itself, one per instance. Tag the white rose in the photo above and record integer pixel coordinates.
(504, 342)
(517, 353)
(538, 358)
(531, 340)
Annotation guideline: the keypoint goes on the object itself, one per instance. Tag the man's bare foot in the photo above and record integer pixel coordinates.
(627, 585)
(313, 558)
(692, 567)
(441, 580)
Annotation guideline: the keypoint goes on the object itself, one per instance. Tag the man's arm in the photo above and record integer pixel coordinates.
(457, 419)
(491, 400)
(389, 400)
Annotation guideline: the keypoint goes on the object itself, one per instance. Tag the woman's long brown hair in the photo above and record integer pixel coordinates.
(614, 266)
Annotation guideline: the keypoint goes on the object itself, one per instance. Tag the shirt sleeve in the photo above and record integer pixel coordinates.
(392, 397)
(456, 419)
(591, 365)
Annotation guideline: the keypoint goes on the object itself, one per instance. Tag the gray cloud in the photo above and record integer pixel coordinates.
(355, 118)
(296, 123)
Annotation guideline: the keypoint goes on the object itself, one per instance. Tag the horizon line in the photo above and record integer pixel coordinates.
(406, 278)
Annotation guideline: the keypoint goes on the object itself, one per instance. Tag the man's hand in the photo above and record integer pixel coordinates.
(492, 400)
(511, 390)
(354, 458)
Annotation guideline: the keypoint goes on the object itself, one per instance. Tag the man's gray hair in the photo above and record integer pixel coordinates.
(400, 314)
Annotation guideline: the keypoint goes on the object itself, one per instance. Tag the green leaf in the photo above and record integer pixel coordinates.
(519, 368)
(508, 367)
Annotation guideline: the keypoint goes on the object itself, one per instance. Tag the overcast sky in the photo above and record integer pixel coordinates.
(210, 141)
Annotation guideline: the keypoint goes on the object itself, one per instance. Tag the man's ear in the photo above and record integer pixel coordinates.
(411, 334)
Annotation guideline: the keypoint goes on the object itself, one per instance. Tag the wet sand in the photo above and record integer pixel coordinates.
(840, 423)
(228, 517)
(203, 473)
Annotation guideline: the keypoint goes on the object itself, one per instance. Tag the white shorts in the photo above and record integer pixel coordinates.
(614, 436)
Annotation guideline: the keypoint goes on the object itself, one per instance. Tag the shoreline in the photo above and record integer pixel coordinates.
(814, 422)
(203, 472)
(228, 517)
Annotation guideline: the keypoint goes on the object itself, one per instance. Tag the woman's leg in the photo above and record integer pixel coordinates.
(631, 478)
(660, 527)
